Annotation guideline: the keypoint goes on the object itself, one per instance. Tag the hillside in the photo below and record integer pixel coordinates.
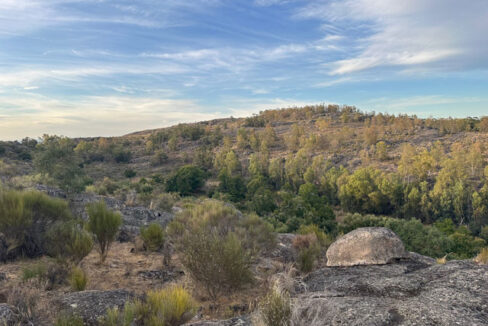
(228, 208)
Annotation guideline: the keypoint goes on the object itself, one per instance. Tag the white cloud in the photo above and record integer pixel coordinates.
(425, 33)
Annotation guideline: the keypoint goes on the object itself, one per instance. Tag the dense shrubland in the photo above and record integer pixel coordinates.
(291, 167)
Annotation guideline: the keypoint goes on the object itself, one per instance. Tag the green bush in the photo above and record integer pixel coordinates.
(25, 217)
(153, 237)
(69, 320)
(171, 306)
(78, 279)
(130, 173)
(69, 241)
(217, 245)
(275, 309)
(186, 180)
(104, 224)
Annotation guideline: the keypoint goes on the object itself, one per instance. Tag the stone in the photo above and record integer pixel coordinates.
(236, 321)
(7, 315)
(91, 305)
(366, 246)
(410, 292)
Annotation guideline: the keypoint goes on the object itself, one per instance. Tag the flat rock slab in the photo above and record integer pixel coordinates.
(366, 246)
(410, 292)
(237, 321)
(91, 305)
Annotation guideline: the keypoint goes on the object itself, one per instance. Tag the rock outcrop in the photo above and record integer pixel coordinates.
(91, 305)
(409, 292)
(366, 246)
(237, 321)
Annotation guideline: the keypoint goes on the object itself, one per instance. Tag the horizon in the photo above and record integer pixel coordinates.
(91, 68)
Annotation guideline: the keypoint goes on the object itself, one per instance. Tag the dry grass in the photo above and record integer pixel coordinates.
(482, 257)
(442, 260)
(120, 270)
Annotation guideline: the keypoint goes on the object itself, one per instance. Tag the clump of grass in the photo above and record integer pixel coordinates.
(78, 279)
(38, 270)
(275, 308)
(442, 260)
(171, 306)
(69, 320)
(308, 249)
(153, 237)
(482, 257)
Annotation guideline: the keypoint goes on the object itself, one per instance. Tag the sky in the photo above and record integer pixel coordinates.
(109, 67)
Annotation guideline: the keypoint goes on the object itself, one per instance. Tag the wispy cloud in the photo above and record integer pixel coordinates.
(407, 33)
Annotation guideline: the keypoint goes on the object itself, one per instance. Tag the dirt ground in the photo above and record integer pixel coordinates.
(127, 268)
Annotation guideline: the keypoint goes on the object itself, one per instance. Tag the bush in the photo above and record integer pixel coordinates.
(217, 245)
(69, 320)
(130, 173)
(153, 237)
(275, 309)
(24, 220)
(308, 251)
(171, 306)
(78, 279)
(69, 241)
(186, 180)
(104, 224)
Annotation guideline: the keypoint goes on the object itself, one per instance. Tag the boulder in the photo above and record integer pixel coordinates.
(412, 291)
(91, 305)
(366, 246)
(7, 315)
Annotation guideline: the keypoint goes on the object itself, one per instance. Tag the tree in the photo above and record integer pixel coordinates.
(56, 158)
(186, 180)
(104, 224)
(381, 151)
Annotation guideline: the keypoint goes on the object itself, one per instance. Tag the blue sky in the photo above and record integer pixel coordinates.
(109, 67)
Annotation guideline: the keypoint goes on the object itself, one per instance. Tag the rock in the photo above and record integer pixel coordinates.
(283, 251)
(3, 248)
(91, 305)
(7, 315)
(237, 321)
(410, 292)
(162, 275)
(366, 246)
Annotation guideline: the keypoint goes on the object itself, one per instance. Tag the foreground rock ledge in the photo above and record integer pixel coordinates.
(366, 246)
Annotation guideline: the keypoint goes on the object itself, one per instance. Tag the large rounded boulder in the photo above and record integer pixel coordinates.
(366, 246)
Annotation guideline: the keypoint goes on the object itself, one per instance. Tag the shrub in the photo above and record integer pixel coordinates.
(275, 309)
(217, 245)
(130, 173)
(324, 239)
(153, 237)
(24, 217)
(78, 279)
(104, 224)
(171, 306)
(69, 241)
(308, 251)
(69, 320)
(186, 180)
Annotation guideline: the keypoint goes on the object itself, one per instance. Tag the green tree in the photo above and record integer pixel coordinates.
(187, 180)
(104, 224)
(55, 157)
